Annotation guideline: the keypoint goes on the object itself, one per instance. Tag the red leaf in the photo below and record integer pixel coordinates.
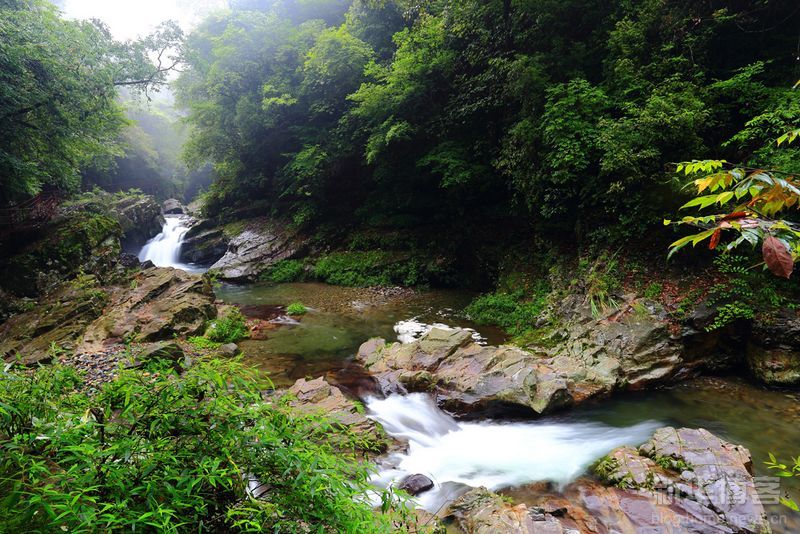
(777, 257)
(735, 215)
(714, 239)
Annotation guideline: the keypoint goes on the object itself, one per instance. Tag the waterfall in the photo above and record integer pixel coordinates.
(164, 249)
(457, 455)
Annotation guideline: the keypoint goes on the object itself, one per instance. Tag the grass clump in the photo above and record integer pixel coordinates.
(202, 343)
(371, 268)
(285, 271)
(229, 328)
(173, 452)
(296, 308)
(515, 312)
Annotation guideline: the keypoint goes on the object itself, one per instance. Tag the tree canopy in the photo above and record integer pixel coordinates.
(59, 111)
(564, 115)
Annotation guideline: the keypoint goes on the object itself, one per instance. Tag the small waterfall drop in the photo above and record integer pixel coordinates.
(457, 455)
(164, 249)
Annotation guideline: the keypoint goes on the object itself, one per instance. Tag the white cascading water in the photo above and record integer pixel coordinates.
(164, 249)
(456, 455)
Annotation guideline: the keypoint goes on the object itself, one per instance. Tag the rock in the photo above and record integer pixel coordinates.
(139, 217)
(681, 480)
(157, 304)
(596, 358)
(172, 206)
(415, 484)
(70, 243)
(317, 396)
(58, 320)
(480, 511)
(168, 351)
(129, 261)
(229, 349)
(203, 246)
(259, 244)
(773, 353)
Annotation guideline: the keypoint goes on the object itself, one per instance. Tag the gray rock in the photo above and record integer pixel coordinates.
(139, 217)
(773, 353)
(415, 484)
(229, 349)
(129, 261)
(260, 244)
(596, 357)
(204, 247)
(172, 206)
(158, 304)
(480, 511)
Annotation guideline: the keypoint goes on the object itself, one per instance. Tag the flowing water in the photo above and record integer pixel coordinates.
(496, 455)
(503, 455)
(339, 320)
(164, 249)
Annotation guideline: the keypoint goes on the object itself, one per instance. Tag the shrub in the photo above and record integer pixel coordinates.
(516, 312)
(296, 308)
(371, 268)
(285, 271)
(202, 343)
(169, 452)
(228, 329)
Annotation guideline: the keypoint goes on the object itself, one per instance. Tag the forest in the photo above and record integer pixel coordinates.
(232, 253)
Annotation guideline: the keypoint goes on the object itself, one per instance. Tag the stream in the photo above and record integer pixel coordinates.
(504, 456)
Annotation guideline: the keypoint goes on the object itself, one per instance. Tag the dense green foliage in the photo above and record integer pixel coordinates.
(296, 308)
(166, 452)
(58, 94)
(229, 328)
(482, 115)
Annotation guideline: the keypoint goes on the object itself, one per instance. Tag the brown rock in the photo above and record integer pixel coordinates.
(158, 304)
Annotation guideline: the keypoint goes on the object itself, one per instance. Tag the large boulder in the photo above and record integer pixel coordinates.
(318, 397)
(172, 206)
(254, 246)
(480, 511)
(595, 358)
(54, 324)
(687, 479)
(773, 353)
(158, 303)
(72, 242)
(681, 480)
(139, 217)
(203, 245)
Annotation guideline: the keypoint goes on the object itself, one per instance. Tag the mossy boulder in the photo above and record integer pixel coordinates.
(58, 320)
(77, 242)
(157, 304)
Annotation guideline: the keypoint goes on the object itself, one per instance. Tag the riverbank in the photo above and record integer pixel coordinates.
(606, 373)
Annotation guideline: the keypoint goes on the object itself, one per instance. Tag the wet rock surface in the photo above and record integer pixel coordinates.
(596, 359)
(480, 511)
(172, 206)
(681, 480)
(159, 303)
(203, 246)
(773, 353)
(415, 484)
(139, 217)
(261, 243)
(58, 320)
(311, 397)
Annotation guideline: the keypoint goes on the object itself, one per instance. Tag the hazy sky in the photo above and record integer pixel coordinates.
(129, 19)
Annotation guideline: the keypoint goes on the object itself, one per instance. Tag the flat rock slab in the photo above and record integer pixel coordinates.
(318, 397)
(469, 378)
(158, 304)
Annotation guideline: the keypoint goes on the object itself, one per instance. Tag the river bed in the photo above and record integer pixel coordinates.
(504, 455)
